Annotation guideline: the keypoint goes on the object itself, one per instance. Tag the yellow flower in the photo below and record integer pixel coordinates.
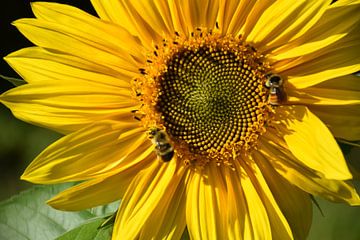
(215, 115)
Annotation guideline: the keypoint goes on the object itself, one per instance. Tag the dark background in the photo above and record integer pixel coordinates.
(21, 142)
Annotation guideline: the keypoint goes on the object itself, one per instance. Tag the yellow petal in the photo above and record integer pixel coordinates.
(253, 16)
(232, 15)
(289, 203)
(334, 24)
(238, 216)
(176, 16)
(90, 152)
(155, 13)
(99, 191)
(343, 121)
(35, 64)
(259, 217)
(70, 105)
(280, 228)
(206, 204)
(336, 60)
(311, 181)
(84, 44)
(201, 13)
(307, 17)
(251, 209)
(312, 143)
(113, 11)
(338, 91)
(169, 216)
(73, 17)
(146, 194)
(285, 20)
(123, 14)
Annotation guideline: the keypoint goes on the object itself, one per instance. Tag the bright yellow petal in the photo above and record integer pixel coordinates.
(338, 19)
(338, 91)
(62, 38)
(201, 13)
(35, 64)
(206, 204)
(285, 20)
(311, 181)
(253, 16)
(78, 33)
(122, 13)
(90, 152)
(238, 216)
(176, 16)
(251, 209)
(336, 60)
(280, 228)
(99, 191)
(232, 15)
(290, 202)
(334, 24)
(70, 105)
(155, 13)
(312, 143)
(148, 20)
(259, 217)
(152, 19)
(87, 26)
(343, 121)
(169, 216)
(145, 195)
(113, 11)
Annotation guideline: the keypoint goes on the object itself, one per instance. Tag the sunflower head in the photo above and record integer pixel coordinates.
(237, 99)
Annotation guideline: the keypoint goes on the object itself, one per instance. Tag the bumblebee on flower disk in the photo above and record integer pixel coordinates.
(161, 140)
(277, 94)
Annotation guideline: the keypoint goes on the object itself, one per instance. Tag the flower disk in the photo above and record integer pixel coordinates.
(210, 94)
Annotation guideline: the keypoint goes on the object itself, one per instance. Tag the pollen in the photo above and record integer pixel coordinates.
(207, 92)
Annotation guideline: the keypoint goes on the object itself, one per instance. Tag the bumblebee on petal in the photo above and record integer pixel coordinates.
(160, 139)
(277, 94)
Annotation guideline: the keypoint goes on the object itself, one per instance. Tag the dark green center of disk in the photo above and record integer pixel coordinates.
(209, 97)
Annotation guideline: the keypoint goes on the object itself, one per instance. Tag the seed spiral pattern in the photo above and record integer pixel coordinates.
(210, 97)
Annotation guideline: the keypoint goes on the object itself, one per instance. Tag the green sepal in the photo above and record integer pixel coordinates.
(15, 81)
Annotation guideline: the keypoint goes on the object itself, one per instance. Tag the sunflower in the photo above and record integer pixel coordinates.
(218, 116)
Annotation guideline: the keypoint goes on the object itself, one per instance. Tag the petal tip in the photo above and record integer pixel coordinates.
(53, 202)
(20, 22)
(31, 176)
(25, 176)
(39, 4)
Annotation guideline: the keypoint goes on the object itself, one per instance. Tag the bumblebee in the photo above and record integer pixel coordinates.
(163, 148)
(277, 94)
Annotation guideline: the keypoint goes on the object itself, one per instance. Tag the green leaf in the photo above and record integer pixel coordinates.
(340, 221)
(89, 230)
(27, 216)
(14, 81)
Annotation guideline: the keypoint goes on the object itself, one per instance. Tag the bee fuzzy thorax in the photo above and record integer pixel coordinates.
(163, 147)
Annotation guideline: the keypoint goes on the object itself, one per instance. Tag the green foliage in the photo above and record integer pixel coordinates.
(26, 216)
(339, 221)
(89, 230)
